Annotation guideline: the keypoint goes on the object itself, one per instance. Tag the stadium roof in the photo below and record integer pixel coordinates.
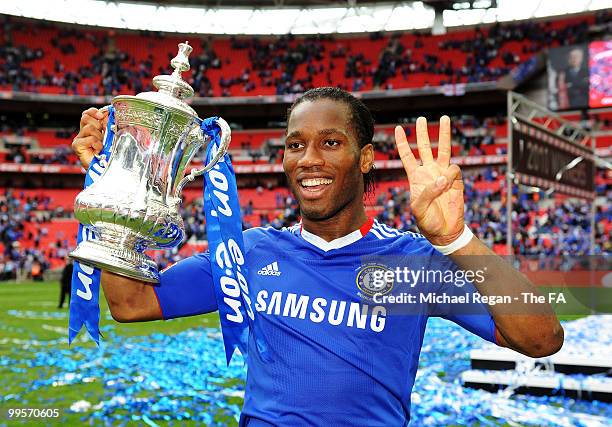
(289, 3)
(309, 17)
(262, 3)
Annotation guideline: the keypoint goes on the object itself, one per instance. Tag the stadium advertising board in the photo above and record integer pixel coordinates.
(544, 159)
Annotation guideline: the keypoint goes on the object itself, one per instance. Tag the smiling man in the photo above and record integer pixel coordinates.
(336, 356)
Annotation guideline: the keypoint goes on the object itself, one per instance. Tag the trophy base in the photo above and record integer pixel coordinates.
(121, 261)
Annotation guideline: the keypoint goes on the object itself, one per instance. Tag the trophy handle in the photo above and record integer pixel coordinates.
(226, 137)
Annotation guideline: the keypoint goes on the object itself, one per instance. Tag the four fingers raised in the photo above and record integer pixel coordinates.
(449, 174)
(424, 145)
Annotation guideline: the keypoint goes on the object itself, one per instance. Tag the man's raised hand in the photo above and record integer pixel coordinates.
(88, 142)
(436, 187)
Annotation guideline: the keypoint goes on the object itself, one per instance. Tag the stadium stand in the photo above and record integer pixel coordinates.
(38, 219)
(472, 136)
(54, 59)
(42, 58)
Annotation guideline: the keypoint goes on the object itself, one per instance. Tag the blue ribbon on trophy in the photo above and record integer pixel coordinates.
(226, 245)
(85, 290)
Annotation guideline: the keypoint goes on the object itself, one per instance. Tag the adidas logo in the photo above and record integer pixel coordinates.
(270, 270)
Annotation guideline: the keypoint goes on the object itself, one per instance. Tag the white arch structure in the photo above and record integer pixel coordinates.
(391, 16)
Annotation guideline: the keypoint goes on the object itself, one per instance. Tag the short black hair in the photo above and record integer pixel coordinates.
(360, 117)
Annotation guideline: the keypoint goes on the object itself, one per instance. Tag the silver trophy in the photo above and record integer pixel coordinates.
(133, 205)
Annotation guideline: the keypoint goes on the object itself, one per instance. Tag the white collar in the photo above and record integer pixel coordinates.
(340, 242)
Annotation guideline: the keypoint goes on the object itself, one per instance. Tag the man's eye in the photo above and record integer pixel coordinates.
(332, 142)
(294, 145)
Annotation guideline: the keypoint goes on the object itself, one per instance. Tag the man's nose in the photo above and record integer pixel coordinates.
(312, 157)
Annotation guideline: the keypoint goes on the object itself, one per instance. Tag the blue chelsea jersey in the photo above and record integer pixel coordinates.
(338, 356)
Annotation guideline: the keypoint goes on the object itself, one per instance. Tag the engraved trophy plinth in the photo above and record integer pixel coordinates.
(133, 205)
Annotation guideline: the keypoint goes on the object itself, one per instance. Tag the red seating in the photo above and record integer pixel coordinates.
(48, 138)
(234, 61)
(254, 138)
(62, 232)
(603, 140)
(63, 198)
(265, 199)
(246, 141)
(500, 249)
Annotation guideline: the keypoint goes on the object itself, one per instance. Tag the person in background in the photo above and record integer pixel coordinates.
(573, 81)
(65, 281)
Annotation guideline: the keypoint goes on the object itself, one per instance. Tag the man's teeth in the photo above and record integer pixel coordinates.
(316, 181)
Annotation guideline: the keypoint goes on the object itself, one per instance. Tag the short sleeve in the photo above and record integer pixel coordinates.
(460, 306)
(186, 288)
(482, 325)
(472, 316)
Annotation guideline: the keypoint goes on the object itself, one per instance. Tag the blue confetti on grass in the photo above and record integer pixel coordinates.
(173, 378)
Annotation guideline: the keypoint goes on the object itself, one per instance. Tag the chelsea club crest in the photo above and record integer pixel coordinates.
(374, 279)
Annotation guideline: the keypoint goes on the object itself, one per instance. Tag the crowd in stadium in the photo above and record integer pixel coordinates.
(548, 229)
(39, 57)
(23, 228)
(110, 68)
(472, 135)
(542, 226)
(118, 63)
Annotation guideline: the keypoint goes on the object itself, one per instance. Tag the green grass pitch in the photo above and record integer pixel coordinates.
(41, 298)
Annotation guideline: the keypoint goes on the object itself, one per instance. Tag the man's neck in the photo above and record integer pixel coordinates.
(344, 222)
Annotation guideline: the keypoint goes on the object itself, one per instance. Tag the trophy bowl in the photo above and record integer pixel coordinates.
(133, 205)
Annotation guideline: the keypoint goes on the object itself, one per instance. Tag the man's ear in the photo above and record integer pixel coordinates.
(366, 161)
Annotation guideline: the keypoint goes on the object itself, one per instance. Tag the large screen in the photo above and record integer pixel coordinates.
(580, 76)
(568, 78)
(600, 71)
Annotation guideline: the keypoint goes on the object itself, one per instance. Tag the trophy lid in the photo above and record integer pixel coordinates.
(172, 89)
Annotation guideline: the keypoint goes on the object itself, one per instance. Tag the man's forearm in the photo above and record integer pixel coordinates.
(525, 326)
(130, 300)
